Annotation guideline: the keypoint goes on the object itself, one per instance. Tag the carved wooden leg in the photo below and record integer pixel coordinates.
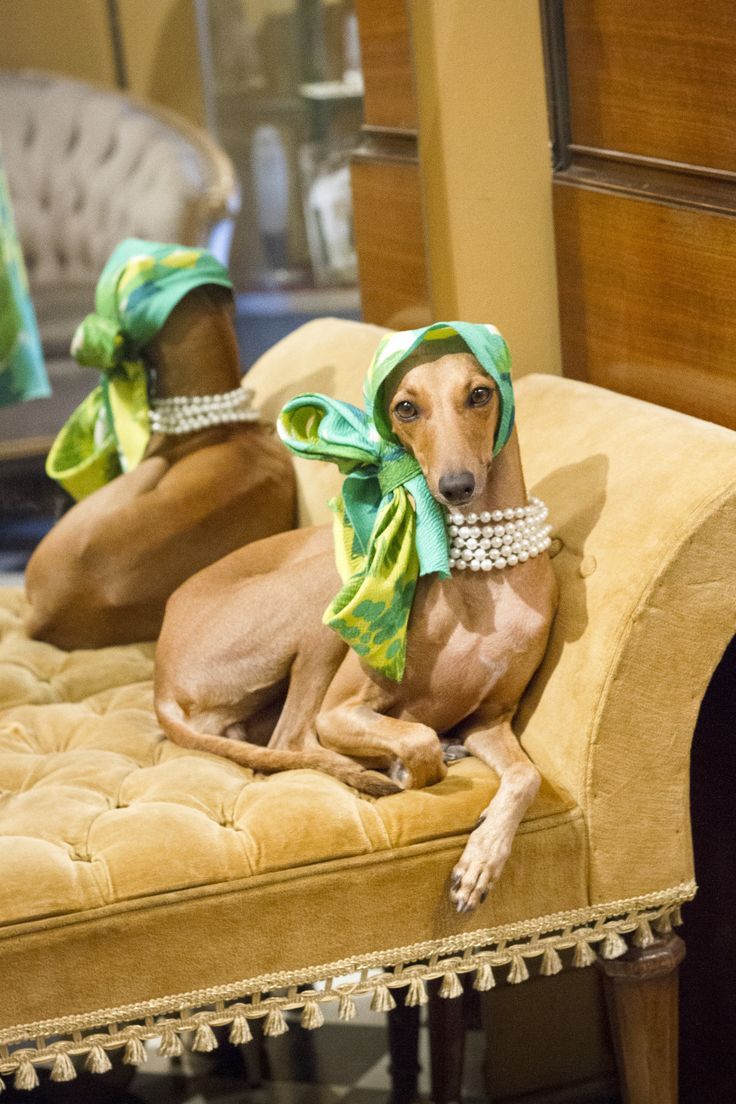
(403, 1046)
(446, 1045)
(641, 993)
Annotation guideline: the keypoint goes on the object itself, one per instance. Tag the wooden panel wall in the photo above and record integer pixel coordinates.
(643, 100)
(387, 194)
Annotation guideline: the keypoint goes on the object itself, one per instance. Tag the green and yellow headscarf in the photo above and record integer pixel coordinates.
(383, 541)
(138, 288)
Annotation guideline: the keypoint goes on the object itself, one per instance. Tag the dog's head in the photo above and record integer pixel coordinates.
(445, 411)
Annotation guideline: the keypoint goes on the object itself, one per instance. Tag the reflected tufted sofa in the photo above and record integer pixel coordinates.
(148, 892)
(87, 167)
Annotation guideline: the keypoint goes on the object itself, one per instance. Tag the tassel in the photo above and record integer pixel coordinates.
(97, 1060)
(205, 1039)
(2, 1085)
(63, 1068)
(551, 962)
(663, 924)
(518, 971)
(643, 936)
(484, 979)
(584, 954)
(346, 1009)
(416, 993)
(275, 1023)
(135, 1052)
(451, 985)
(312, 1016)
(26, 1076)
(171, 1045)
(676, 916)
(613, 945)
(382, 1000)
(240, 1031)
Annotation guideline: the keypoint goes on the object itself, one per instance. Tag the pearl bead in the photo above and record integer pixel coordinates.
(512, 561)
(500, 562)
(498, 531)
(496, 542)
(487, 531)
(519, 512)
(461, 565)
(471, 542)
(457, 519)
(475, 532)
(506, 550)
(479, 554)
(474, 566)
(466, 554)
(508, 514)
(487, 565)
(523, 556)
(471, 519)
(485, 517)
(454, 553)
(484, 543)
(464, 531)
(533, 551)
(452, 530)
(497, 515)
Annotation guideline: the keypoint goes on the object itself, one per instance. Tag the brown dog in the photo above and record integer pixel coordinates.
(103, 574)
(242, 632)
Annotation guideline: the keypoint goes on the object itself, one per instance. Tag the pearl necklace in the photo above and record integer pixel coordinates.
(498, 538)
(187, 413)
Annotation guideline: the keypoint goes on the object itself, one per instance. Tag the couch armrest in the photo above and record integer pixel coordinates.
(643, 500)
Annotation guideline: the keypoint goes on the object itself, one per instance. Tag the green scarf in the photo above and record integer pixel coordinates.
(22, 371)
(138, 288)
(383, 542)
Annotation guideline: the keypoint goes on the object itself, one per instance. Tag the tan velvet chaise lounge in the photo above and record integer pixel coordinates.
(148, 891)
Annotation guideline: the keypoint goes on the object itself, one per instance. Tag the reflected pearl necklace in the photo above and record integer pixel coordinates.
(498, 538)
(187, 413)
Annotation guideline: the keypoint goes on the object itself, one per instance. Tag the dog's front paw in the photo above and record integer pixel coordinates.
(479, 867)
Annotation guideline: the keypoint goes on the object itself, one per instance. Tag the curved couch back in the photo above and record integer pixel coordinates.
(88, 166)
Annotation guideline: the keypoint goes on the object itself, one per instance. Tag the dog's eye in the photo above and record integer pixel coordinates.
(406, 411)
(479, 396)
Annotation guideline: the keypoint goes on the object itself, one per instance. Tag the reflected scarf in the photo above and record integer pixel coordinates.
(138, 288)
(389, 529)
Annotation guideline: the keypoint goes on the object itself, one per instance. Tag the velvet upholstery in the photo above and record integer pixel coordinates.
(134, 871)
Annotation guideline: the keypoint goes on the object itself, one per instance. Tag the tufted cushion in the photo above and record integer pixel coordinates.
(104, 822)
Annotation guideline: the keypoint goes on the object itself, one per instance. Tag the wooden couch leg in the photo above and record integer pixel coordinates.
(446, 1045)
(641, 994)
(403, 1046)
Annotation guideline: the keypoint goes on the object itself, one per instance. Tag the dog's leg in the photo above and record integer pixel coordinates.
(313, 669)
(490, 842)
(412, 752)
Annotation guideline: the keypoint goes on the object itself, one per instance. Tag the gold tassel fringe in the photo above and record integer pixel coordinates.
(97, 1061)
(588, 932)
(312, 1016)
(240, 1031)
(205, 1039)
(275, 1023)
(63, 1068)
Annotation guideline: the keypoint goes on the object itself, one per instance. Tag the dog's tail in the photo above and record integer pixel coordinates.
(271, 760)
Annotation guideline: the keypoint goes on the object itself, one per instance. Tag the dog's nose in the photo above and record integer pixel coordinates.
(457, 487)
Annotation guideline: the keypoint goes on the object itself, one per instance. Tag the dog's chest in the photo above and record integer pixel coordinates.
(465, 644)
